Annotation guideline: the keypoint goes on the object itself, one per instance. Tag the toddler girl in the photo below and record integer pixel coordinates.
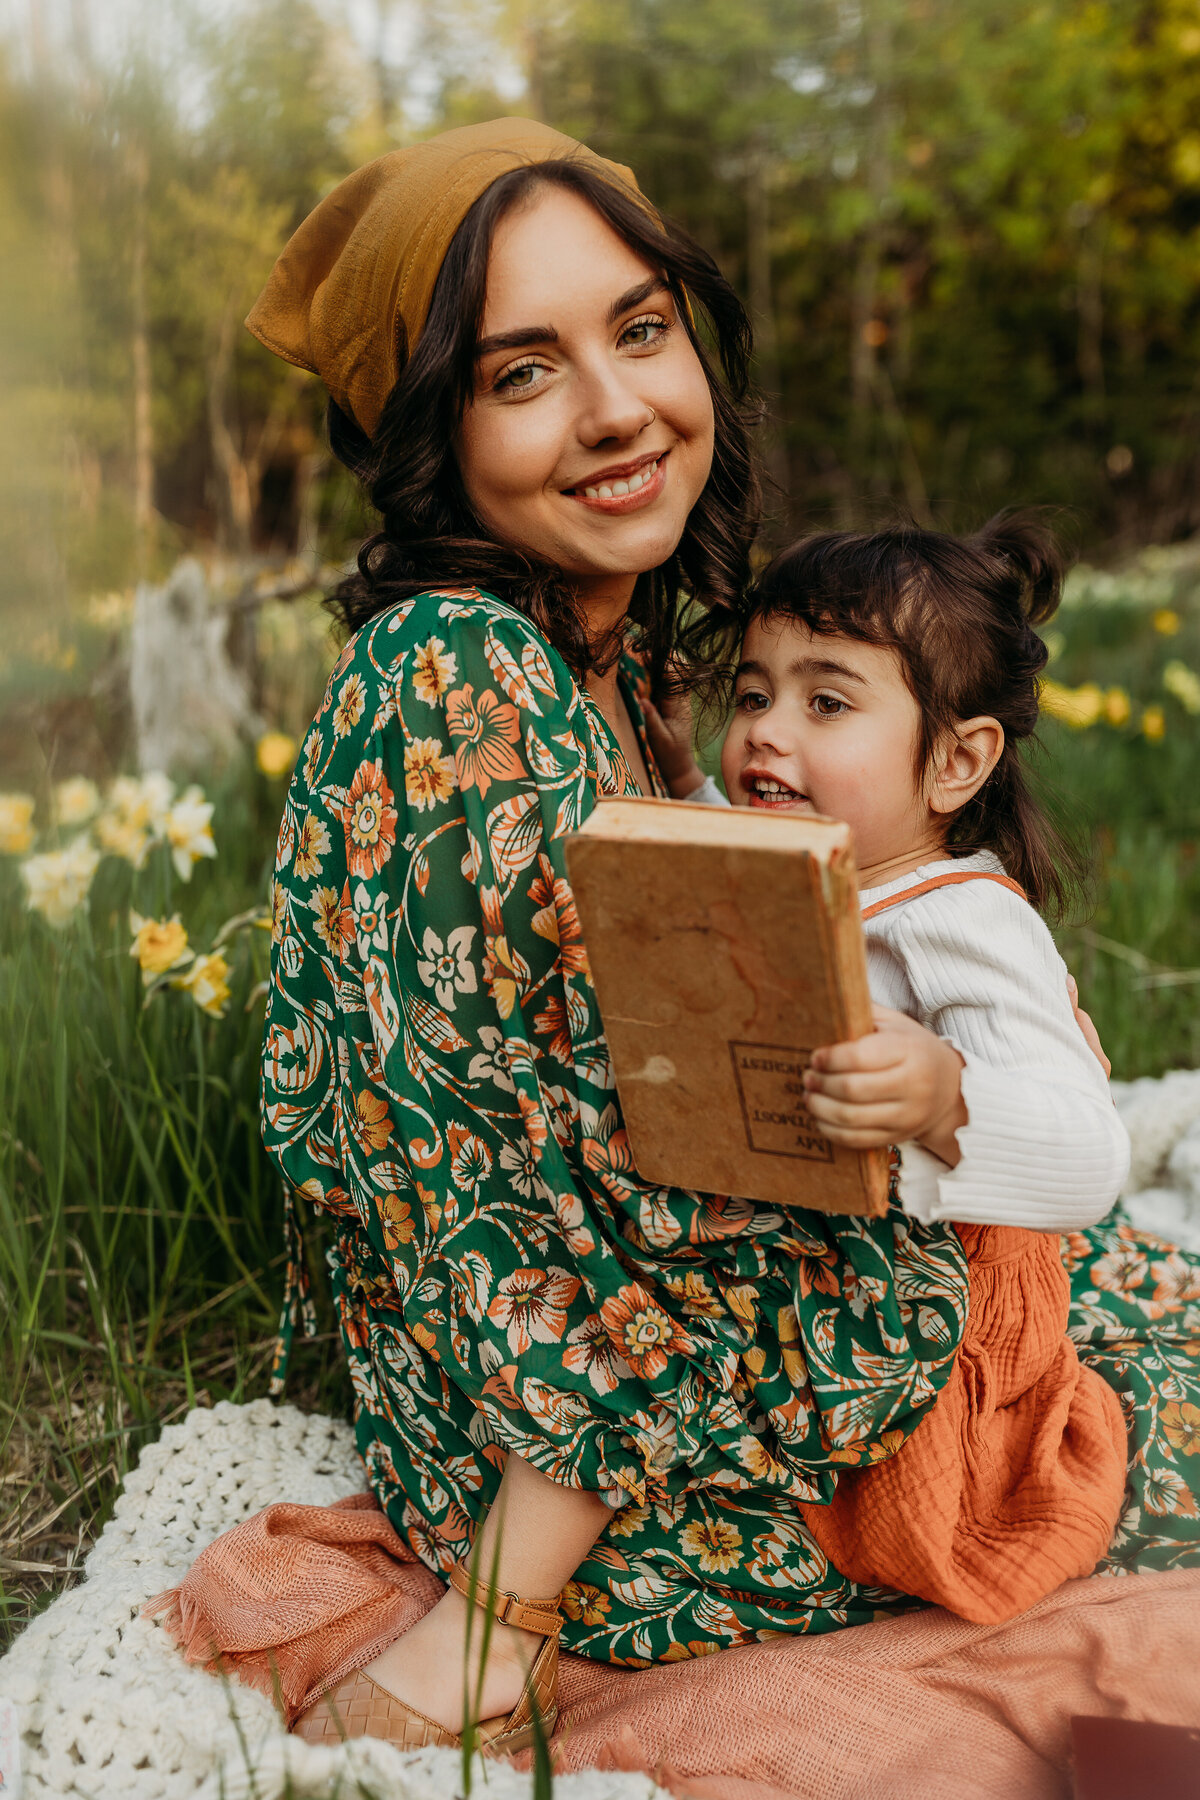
(888, 680)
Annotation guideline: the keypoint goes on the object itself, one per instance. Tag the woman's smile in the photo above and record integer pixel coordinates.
(623, 487)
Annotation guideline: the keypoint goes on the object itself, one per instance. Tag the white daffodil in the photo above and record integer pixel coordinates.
(76, 800)
(135, 815)
(189, 832)
(57, 883)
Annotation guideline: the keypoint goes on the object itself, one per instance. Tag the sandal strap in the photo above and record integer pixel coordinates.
(541, 1616)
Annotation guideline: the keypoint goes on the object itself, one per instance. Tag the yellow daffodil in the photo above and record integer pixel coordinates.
(76, 801)
(158, 945)
(57, 883)
(275, 753)
(1184, 684)
(16, 824)
(1166, 621)
(1078, 707)
(1117, 707)
(207, 981)
(1154, 724)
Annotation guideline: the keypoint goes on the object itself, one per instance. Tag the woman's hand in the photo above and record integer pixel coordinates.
(670, 732)
(899, 1083)
(1091, 1036)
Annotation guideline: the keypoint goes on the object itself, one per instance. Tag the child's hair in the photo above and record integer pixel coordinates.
(960, 612)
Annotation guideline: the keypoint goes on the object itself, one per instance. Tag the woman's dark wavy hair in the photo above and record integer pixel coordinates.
(431, 537)
(960, 612)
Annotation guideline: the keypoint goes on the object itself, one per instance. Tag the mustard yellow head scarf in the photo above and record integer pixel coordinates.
(366, 259)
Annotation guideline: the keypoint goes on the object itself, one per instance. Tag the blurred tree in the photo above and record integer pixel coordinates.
(968, 232)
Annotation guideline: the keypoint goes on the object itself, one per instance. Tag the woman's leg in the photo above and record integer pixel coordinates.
(543, 1532)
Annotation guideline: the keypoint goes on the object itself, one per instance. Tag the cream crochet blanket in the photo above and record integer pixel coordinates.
(108, 1709)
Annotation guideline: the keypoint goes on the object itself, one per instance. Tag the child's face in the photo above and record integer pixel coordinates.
(825, 724)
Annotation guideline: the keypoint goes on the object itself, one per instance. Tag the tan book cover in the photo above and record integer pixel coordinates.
(726, 945)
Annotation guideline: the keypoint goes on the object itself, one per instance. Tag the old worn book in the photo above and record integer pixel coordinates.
(726, 945)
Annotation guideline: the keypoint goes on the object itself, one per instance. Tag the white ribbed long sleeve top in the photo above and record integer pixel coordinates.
(1043, 1146)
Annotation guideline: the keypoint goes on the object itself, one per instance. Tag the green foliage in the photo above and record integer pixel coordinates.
(968, 231)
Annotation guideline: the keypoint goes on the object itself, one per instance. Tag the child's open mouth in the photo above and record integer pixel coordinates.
(768, 791)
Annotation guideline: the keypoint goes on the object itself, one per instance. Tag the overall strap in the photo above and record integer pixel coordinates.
(954, 878)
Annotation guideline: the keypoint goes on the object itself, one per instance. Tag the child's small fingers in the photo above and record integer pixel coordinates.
(879, 1051)
(850, 1139)
(844, 1113)
(862, 1087)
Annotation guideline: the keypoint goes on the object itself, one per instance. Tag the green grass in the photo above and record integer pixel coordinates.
(140, 1223)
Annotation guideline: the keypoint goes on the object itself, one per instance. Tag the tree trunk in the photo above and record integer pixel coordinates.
(143, 423)
(234, 495)
(385, 98)
(762, 311)
(865, 337)
(1090, 354)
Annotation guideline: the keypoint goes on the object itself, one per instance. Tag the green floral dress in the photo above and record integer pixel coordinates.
(436, 1078)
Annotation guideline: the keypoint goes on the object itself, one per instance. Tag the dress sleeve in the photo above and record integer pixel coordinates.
(1044, 1147)
(434, 1054)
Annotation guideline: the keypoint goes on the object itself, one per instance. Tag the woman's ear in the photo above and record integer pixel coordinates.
(962, 761)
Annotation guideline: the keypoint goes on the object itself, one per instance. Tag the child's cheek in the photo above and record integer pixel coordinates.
(732, 758)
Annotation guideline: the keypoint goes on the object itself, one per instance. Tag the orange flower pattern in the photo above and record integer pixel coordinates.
(485, 733)
(435, 1077)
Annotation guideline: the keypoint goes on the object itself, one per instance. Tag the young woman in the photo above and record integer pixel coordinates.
(631, 1391)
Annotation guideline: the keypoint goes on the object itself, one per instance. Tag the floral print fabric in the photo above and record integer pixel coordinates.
(436, 1077)
(1135, 1317)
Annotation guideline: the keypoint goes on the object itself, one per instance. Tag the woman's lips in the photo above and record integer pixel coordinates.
(640, 489)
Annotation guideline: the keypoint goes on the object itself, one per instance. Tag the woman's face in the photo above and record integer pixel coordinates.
(589, 437)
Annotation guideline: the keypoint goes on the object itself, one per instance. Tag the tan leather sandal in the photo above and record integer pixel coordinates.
(359, 1707)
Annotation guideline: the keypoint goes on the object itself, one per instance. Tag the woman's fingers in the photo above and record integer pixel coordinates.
(1091, 1036)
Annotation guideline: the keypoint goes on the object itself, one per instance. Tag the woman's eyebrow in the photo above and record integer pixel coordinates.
(523, 338)
(636, 296)
(526, 336)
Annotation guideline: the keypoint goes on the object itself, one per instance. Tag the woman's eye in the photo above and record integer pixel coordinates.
(643, 331)
(828, 706)
(520, 379)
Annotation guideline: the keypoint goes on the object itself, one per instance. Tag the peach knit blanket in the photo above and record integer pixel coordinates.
(924, 1707)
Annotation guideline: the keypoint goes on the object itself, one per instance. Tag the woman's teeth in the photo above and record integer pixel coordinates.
(607, 489)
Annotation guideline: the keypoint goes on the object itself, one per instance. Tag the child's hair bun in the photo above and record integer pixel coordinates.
(1026, 542)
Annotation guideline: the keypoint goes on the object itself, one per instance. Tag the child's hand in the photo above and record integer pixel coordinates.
(901, 1082)
(670, 734)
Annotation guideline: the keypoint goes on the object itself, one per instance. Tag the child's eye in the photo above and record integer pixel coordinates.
(828, 706)
(752, 702)
(640, 332)
(520, 378)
